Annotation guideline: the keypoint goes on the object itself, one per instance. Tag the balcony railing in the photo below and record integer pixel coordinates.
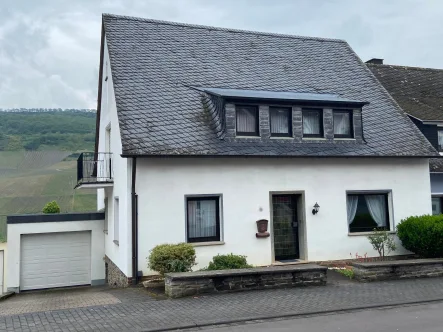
(94, 168)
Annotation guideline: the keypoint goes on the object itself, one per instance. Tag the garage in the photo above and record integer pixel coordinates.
(55, 250)
(55, 260)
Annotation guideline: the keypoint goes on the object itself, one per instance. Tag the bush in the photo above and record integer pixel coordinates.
(51, 207)
(422, 235)
(228, 262)
(166, 258)
(382, 242)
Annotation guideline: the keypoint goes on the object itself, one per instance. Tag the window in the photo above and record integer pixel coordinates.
(367, 212)
(343, 127)
(106, 200)
(203, 218)
(436, 205)
(247, 120)
(281, 121)
(116, 220)
(440, 140)
(312, 123)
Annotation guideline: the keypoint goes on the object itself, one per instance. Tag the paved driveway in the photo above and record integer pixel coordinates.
(133, 309)
(56, 300)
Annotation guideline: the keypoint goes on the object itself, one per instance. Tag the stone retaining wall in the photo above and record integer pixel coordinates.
(114, 276)
(194, 283)
(403, 269)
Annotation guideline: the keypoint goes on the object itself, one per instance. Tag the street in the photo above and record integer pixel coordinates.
(423, 318)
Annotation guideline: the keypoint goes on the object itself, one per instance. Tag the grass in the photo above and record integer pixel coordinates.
(29, 180)
(347, 273)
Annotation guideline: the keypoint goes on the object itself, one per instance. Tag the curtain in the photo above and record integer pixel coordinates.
(311, 123)
(377, 208)
(342, 123)
(246, 120)
(352, 202)
(279, 121)
(440, 139)
(202, 218)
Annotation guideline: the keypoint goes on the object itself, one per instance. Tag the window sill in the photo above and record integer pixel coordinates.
(367, 233)
(314, 139)
(344, 139)
(204, 244)
(116, 242)
(283, 137)
(259, 137)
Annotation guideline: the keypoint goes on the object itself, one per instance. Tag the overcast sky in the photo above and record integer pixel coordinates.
(49, 49)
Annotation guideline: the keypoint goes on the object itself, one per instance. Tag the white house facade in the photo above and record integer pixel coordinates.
(196, 144)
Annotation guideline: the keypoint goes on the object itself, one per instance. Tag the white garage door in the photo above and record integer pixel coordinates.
(55, 260)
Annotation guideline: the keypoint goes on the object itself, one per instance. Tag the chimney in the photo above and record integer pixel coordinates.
(375, 61)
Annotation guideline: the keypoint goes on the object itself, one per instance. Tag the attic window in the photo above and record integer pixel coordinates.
(312, 123)
(247, 120)
(343, 124)
(281, 121)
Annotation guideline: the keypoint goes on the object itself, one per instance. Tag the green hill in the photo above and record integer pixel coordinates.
(38, 162)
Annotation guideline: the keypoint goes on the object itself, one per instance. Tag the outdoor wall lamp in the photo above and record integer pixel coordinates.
(315, 209)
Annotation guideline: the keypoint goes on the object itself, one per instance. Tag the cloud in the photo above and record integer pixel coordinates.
(49, 49)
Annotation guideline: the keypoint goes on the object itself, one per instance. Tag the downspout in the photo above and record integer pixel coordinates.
(134, 206)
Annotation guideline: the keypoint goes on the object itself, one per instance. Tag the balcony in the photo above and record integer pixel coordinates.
(94, 170)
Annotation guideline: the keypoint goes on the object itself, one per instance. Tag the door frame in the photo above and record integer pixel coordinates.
(301, 217)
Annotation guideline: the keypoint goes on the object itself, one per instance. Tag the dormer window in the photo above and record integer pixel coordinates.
(313, 123)
(247, 120)
(343, 127)
(281, 121)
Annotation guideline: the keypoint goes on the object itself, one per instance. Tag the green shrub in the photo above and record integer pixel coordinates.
(422, 235)
(228, 262)
(166, 258)
(382, 242)
(51, 207)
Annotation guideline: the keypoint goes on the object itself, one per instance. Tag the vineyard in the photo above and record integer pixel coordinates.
(30, 179)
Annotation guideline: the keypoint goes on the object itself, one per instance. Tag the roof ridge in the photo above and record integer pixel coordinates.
(404, 67)
(198, 26)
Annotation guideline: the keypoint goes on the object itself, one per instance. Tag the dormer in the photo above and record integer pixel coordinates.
(239, 115)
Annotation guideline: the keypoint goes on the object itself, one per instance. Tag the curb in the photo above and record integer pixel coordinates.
(289, 315)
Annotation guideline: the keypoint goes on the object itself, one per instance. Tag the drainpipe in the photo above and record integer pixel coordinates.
(134, 206)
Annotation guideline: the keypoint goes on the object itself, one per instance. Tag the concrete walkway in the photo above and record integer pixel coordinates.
(136, 311)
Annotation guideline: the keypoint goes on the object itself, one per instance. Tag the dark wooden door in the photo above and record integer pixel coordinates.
(285, 227)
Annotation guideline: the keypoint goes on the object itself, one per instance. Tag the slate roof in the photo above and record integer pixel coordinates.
(436, 165)
(156, 64)
(419, 91)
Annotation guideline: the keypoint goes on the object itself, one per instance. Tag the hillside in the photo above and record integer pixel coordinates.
(38, 151)
(47, 129)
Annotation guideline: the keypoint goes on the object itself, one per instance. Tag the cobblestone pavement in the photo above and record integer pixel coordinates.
(56, 299)
(139, 312)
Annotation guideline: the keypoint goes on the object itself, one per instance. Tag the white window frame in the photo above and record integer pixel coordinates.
(116, 220)
(390, 207)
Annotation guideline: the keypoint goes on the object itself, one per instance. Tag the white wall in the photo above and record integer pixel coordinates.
(120, 254)
(14, 241)
(246, 185)
(4, 249)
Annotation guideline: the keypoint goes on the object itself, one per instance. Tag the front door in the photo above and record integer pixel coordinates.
(285, 227)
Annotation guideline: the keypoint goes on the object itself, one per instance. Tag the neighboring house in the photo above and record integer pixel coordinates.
(202, 131)
(419, 92)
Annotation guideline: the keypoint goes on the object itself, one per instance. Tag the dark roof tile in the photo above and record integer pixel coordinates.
(419, 91)
(155, 64)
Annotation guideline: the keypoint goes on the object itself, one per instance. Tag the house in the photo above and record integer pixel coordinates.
(203, 131)
(419, 92)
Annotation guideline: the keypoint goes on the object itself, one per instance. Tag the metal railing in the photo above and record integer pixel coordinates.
(94, 167)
